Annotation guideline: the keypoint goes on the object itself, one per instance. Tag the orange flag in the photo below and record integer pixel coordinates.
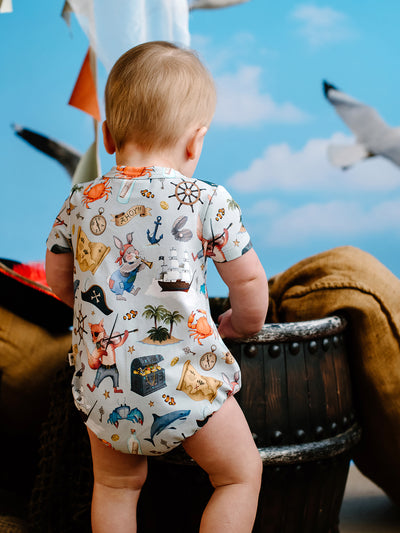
(84, 95)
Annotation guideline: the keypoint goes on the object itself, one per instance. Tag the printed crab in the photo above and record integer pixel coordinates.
(97, 191)
(201, 328)
(135, 172)
(124, 412)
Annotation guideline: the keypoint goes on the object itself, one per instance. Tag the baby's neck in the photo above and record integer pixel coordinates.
(132, 156)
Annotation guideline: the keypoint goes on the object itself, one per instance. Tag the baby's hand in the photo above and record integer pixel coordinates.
(225, 328)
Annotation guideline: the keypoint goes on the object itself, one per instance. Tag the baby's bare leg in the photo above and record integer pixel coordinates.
(118, 479)
(225, 449)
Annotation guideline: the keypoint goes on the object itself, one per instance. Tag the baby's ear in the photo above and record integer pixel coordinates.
(195, 142)
(108, 141)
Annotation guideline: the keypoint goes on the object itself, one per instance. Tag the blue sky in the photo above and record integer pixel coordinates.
(267, 144)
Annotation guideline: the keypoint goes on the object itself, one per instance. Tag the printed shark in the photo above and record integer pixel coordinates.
(162, 422)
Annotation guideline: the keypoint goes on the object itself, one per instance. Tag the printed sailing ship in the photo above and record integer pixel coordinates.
(175, 272)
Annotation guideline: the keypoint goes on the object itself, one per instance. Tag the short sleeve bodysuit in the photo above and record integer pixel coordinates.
(150, 366)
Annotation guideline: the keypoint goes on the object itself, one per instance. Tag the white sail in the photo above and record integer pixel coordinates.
(173, 274)
(186, 275)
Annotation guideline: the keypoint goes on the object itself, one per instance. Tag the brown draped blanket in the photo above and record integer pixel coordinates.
(353, 283)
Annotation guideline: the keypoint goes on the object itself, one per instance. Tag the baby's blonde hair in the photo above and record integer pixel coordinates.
(154, 92)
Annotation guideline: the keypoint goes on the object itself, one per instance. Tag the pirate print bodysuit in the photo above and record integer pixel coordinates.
(150, 366)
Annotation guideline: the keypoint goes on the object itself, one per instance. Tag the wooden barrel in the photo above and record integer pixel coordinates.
(297, 398)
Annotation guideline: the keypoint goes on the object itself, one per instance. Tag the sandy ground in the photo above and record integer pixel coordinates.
(366, 508)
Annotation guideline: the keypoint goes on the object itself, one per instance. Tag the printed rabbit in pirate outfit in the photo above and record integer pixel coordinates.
(130, 264)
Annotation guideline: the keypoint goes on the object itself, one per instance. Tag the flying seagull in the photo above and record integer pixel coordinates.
(65, 155)
(373, 136)
(211, 4)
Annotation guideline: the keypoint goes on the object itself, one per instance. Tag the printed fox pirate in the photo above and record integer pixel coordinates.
(102, 358)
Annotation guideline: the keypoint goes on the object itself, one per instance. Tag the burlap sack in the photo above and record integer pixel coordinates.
(351, 282)
(30, 358)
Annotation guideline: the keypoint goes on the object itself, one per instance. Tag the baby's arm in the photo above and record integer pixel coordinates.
(248, 294)
(59, 274)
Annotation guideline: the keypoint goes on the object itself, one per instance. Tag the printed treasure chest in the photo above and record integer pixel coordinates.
(147, 376)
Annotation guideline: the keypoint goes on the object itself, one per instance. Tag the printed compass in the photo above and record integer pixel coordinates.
(208, 360)
(98, 223)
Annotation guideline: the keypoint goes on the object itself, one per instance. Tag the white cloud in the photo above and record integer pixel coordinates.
(331, 220)
(308, 169)
(235, 50)
(241, 101)
(323, 25)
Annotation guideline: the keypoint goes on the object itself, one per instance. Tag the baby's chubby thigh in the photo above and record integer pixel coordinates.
(225, 447)
(115, 469)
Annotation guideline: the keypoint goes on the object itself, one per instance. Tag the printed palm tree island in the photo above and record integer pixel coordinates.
(159, 334)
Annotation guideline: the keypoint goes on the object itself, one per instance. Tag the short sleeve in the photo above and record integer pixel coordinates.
(225, 237)
(59, 239)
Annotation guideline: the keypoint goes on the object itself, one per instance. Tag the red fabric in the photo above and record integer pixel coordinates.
(33, 271)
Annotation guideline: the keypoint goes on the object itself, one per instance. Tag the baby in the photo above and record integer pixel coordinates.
(148, 224)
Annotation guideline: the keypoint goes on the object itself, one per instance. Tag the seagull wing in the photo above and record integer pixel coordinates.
(391, 146)
(364, 121)
(65, 155)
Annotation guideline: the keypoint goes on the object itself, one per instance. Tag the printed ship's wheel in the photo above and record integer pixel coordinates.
(187, 193)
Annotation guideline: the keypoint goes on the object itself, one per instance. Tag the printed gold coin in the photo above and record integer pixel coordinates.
(174, 361)
(114, 437)
(164, 204)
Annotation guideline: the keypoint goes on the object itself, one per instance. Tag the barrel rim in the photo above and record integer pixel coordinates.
(286, 455)
(311, 451)
(302, 330)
